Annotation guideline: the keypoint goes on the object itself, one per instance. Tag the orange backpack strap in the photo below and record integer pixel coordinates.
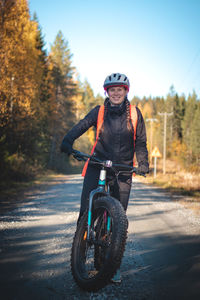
(134, 119)
(100, 119)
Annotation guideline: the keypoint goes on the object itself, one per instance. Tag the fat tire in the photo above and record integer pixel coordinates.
(116, 247)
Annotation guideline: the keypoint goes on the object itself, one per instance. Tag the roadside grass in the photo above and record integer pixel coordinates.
(180, 183)
(176, 181)
(11, 189)
(183, 186)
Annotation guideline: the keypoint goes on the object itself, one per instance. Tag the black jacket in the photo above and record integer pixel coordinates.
(115, 141)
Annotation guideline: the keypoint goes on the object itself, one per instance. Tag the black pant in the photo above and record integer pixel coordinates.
(118, 189)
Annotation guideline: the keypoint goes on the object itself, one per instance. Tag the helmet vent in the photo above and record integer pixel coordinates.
(116, 79)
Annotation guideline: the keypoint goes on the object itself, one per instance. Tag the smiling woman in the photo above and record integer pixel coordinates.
(118, 138)
(117, 86)
(117, 95)
(120, 133)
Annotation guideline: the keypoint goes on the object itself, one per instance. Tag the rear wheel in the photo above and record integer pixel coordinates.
(95, 261)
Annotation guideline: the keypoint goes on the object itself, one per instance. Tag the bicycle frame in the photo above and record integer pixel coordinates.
(101, 184)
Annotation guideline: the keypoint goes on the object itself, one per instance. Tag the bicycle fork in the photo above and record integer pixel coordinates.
(99, 190)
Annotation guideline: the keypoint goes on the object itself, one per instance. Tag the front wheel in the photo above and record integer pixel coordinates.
(94, 261)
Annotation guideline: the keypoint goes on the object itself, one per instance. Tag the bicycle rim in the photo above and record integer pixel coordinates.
(94, 252)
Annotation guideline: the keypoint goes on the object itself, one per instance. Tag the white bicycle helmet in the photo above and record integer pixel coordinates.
(116, 79)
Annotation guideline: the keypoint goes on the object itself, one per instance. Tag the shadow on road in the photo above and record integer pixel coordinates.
(159, 262)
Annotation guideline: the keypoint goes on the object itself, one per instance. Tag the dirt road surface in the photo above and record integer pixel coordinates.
(161, 261)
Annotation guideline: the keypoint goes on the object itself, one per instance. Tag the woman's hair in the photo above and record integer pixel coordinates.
(128, 117)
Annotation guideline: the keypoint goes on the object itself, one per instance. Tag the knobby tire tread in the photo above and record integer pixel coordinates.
(116, 250)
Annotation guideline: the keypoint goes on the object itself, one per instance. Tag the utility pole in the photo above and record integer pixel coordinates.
(165, 114)
(151, 133)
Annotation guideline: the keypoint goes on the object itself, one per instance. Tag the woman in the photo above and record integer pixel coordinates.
(118, 140)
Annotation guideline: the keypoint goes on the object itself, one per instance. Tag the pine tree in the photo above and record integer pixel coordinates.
(62, 89)
(43, 139)
(195, 136)
(88, 96)
(191, 105)
(20, 78)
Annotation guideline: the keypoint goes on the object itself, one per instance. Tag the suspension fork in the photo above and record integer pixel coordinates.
(99, 190)
(102, 181)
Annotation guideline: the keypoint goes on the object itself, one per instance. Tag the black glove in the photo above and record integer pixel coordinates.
(143, 168)
(66, 147)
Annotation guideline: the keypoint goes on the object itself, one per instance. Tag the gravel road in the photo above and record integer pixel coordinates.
(161, 261)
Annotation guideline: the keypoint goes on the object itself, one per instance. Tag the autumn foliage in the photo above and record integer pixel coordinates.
(183, 125)
(41, 98)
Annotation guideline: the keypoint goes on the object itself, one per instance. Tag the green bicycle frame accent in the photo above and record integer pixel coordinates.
(108, 223)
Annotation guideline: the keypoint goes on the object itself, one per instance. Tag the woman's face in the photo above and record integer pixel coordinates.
(117, 94)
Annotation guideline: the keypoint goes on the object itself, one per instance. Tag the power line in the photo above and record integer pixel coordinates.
(191, 65)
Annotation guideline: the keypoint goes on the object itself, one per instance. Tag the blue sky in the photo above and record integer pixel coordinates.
(155, 43)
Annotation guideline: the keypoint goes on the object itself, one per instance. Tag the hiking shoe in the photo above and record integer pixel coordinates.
(117, 277)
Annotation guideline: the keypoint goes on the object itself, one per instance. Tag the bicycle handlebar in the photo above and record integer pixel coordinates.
(80, 156)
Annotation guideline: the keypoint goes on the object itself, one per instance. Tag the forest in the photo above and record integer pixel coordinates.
(42, 97)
